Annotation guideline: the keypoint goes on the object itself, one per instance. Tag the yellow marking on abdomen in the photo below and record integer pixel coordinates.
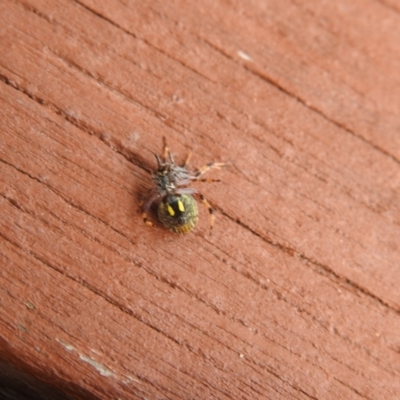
(170, 210)
(181, 206)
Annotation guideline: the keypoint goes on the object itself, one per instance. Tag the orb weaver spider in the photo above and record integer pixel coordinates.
(177, 209)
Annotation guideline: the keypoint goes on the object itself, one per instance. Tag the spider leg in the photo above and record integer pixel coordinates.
(144, 214)
(208, 180)
(145, 206)
(210, 210)
(201, 171)
(187, 159)
(165, 150)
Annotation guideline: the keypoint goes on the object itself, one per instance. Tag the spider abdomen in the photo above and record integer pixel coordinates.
(178, 213)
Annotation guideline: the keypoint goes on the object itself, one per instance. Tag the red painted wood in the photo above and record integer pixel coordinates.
(296, 293)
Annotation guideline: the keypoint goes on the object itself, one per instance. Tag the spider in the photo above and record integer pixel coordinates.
(177, 209)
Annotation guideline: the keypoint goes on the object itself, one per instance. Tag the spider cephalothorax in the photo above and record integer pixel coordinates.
(177, 209)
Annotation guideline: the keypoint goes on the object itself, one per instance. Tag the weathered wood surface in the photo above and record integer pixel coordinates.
(296, 293)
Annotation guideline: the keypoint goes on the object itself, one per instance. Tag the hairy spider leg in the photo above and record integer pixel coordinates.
(208, 180)
(199, 172)
(187, 159)
(145, 207)
(165, 150)
(209, 208)
(205, 168)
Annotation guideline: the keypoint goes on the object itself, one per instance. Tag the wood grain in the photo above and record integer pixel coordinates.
(295, 295)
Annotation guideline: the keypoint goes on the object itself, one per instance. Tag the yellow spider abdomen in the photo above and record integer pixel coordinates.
(178, 213)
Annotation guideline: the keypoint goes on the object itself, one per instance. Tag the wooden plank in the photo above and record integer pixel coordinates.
(295, 295)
